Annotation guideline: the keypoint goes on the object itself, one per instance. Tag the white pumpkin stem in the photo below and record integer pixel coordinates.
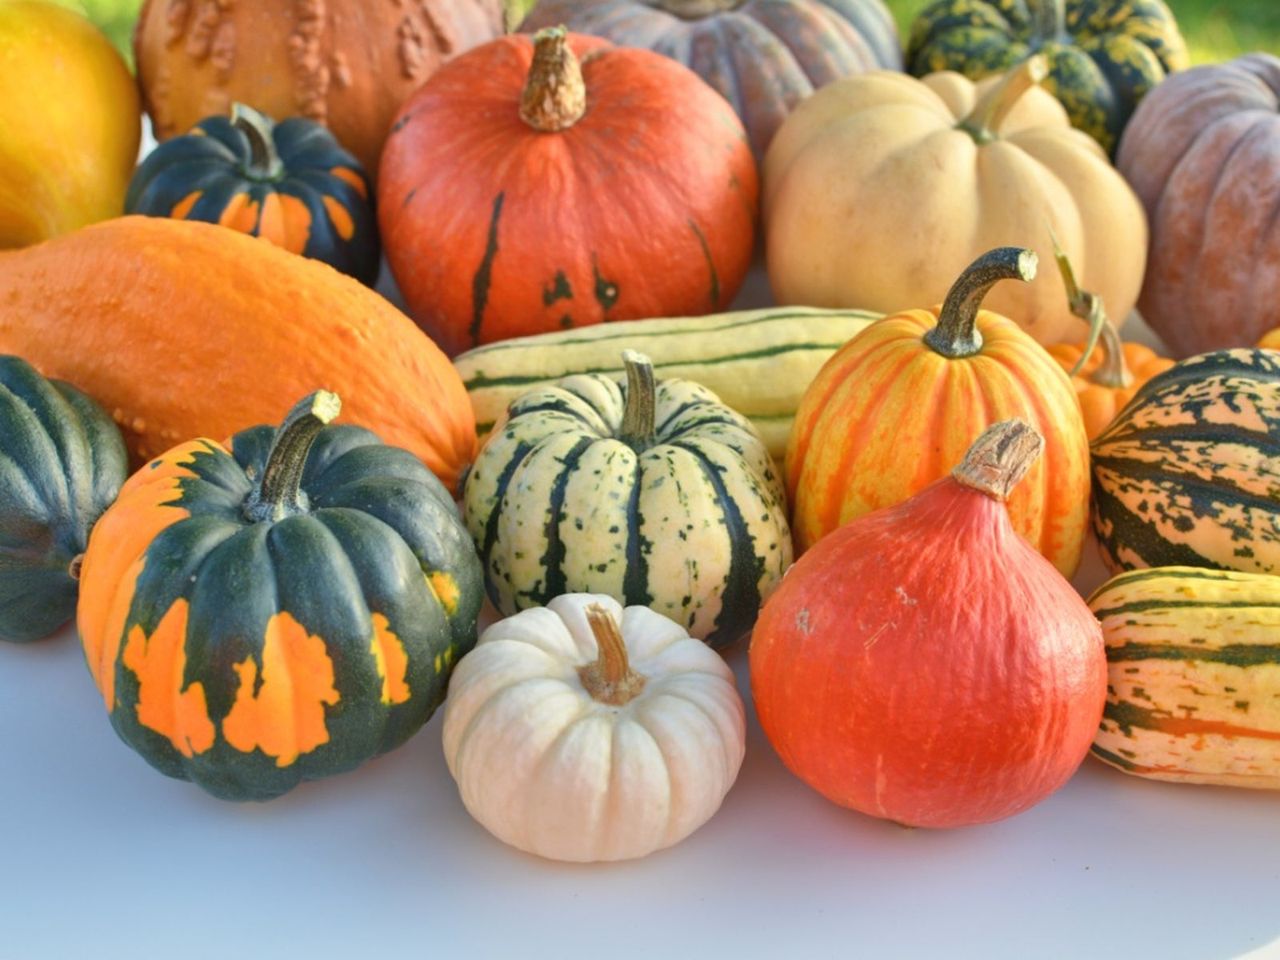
(639, 416)
(610, 678)
(278, 492)
(555, 95)
(1000, 458)
(264, 162)
(956, 334)
(697, 9)
(988, 116)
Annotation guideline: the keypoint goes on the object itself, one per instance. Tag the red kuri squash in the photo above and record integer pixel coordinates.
(924, 664)
(533, 185)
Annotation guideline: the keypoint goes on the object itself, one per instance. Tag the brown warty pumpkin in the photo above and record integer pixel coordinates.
(345, 63)
(1201, 154)
(763, 56)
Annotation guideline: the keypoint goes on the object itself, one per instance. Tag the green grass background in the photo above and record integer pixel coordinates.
(1215, 29)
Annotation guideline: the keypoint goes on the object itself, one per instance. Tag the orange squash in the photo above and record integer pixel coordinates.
(1113, 371)
(1270, 340)
(897, 406)
(184, 329)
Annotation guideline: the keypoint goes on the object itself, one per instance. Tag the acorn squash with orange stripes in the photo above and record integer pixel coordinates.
(1189, 473)
(1193, 691)
(279, 610)
(290, 183)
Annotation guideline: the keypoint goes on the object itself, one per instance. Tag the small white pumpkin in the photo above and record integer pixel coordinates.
(576, 739)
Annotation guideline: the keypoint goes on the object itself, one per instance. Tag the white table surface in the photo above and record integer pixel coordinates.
(101, 857)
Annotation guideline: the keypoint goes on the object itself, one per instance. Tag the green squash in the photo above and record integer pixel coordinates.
(290, 183)
(1104, 55)
(1188, 474)
(654, 493)
(281, 611)
(62, 461)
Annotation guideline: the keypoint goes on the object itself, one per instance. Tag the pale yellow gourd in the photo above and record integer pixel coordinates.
(582, 731)
(880, 189)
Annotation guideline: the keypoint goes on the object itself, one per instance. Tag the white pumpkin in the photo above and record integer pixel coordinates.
(575, 739)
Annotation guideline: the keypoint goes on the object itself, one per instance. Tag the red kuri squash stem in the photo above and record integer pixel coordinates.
(610, 678)
(984, 121)
(555, 96)
(956, 334)
(278, 493)
(1000, 458)
(697, 9)
(639, 417)
(264, 163)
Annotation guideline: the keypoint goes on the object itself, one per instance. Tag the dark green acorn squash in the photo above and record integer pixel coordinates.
(290, 183)
(1104, 55)
(280, 611)
(1189, 473)
(62, 461)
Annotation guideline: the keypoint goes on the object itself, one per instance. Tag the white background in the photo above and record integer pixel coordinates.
(101, 858)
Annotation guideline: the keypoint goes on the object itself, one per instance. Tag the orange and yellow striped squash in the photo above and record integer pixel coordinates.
(1193, 691)
(278, 609)
(183, 329)
(897, 407)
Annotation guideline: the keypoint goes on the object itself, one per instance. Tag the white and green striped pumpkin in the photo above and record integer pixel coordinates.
(652, 492)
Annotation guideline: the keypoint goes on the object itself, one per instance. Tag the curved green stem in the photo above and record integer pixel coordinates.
(988, 115)
(1049, 20)
(555, 95)
(956, 334)
(639, 416)
(278, 492)
(264, 162)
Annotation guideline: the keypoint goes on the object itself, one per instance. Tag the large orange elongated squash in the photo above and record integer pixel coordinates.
(897, 406)
(185, 329)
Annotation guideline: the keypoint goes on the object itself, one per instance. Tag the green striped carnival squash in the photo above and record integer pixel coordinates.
(290, 183)
(1188, 474)
(651, 492)
(759, 362)
(62, 462)
(1104, 55)
(1193, 690)
(279, 609)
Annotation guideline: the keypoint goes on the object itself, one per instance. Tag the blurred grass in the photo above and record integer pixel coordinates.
(1215, 29)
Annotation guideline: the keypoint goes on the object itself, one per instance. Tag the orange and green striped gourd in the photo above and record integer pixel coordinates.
(1189, 473)
(278, 609)
(897, 407)
(1193, 692)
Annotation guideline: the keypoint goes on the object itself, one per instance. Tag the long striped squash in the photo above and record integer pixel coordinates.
(1193, 691)
(758, 362)
(1189, 473)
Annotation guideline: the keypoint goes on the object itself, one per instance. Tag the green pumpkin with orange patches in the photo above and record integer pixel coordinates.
(1104, 55)
(290, 183)
(278, 611)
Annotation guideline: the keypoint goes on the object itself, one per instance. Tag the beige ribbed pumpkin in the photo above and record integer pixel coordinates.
(880, 189)
(582, 731)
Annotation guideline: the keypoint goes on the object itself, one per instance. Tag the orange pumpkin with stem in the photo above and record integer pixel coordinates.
(1105, 379)
(897, 406)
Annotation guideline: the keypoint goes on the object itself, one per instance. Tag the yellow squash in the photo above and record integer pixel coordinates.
(69, 123)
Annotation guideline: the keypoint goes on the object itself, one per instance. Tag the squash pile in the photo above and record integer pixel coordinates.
(615, 462)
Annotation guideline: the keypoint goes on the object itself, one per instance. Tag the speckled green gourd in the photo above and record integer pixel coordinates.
(655, 493)
(1104, 54)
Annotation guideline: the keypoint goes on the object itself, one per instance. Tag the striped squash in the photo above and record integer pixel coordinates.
(759, 362)
(653, 493)
(1189, 473)
(1193, 690)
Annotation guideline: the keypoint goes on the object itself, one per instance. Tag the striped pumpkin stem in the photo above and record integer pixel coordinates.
(1050, 18)
(639, 416)
(956, 334)
(985, 120)
(555, 95)
(610, 678)
(264, 162)
(1000, 458)
(278, 492)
